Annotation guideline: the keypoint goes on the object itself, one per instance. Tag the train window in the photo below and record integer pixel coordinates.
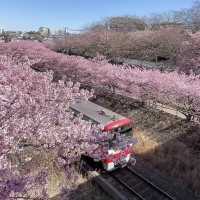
(127, 130)
(113, 143)
(86, 118)
(118, 141)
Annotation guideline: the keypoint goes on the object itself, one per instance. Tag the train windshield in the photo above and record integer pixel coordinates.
(125, 130)
(120, 141)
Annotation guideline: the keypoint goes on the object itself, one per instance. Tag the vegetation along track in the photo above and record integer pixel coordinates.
(135, 186)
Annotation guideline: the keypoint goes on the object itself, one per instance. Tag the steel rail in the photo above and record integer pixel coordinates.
(143, 180)
(150, 183)
(128, 187)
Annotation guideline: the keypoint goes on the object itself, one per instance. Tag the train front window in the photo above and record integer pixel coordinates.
(126, 130)
(118, 141)
(113, 143)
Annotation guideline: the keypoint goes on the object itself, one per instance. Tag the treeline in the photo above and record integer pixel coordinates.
(159, 45)
(157, 38)
(187, 18)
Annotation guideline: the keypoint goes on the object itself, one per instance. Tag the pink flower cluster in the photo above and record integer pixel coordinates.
(34, 112)
(177, 90)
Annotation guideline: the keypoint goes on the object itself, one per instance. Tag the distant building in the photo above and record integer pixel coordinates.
(60, 32)
(44, 31)
(1, 30)
(32, 35)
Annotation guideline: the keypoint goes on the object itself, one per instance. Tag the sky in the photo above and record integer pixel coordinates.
(31, 14)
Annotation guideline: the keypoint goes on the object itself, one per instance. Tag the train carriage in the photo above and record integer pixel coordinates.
(114, 124)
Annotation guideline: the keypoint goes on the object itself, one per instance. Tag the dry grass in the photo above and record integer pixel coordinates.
(145, 144)
(173, 159)
(31, 161)
(59, 186)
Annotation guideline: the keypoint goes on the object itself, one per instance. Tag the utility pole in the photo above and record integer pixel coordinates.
(66, 34)
(107, 37)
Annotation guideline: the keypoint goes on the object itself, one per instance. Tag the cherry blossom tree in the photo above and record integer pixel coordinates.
(188, 58)
(171, 88)
(34, 112)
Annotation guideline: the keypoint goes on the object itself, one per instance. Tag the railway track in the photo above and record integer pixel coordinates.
(135, 186)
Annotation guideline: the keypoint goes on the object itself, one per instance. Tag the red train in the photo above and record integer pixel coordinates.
(118, 149)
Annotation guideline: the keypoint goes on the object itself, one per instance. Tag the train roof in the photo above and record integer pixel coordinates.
(95, 112)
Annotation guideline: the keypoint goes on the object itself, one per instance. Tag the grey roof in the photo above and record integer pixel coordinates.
(95, 112)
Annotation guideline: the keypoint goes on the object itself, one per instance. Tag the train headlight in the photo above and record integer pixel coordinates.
(127, 158)
(109, 166)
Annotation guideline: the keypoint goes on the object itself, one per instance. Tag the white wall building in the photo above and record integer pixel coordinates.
(1, 30)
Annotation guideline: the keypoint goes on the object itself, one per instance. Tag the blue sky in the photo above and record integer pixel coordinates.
(31, 14)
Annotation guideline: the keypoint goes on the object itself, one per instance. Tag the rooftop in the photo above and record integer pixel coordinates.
(95, 112)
